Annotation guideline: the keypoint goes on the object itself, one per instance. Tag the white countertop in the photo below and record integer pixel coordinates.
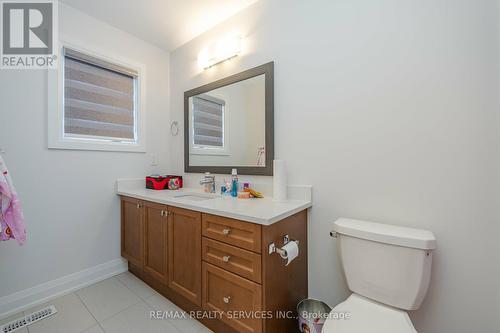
(261, 211)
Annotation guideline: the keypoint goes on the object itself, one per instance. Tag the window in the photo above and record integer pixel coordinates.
(208, 124)
(98, 104)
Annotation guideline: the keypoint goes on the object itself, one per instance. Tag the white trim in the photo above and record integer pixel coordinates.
(45, 292)
(55, 108)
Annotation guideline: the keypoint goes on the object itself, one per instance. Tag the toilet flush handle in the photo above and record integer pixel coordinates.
(333, 234)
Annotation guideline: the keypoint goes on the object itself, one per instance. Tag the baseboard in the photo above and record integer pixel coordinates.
(45, 292)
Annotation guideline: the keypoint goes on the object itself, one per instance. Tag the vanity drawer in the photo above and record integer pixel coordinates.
(242, 262)
(235, 297)
(242, 234)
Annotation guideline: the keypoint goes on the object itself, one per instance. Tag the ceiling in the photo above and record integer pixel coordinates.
(165, 23)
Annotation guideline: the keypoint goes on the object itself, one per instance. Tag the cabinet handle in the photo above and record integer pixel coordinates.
(226, 231)
(226, 299)
(162, 213)
(226, 258)
(138, 205)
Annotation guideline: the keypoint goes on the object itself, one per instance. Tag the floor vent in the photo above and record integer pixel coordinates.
(28, 320)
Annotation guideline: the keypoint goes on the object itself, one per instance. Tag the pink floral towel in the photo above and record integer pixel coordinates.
(11, 215)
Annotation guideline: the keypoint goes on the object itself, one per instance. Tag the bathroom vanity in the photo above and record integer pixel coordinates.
(211, 254)
(219, 255)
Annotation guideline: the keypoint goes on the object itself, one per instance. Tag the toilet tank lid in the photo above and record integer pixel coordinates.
(386, 233)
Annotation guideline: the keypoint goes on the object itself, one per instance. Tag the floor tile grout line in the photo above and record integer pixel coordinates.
(140, 300)
(178, 309)
(116, 314)
(127, 286)
(144, 299)
(85, 305)
(171, 324)
(128, 307)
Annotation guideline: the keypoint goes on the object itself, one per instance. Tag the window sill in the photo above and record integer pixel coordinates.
(97, 146)
(210, 153)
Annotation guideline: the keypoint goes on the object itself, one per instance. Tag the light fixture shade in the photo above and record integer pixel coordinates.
(220, 51)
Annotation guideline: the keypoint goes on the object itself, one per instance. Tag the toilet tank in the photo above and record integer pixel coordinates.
(386, 263)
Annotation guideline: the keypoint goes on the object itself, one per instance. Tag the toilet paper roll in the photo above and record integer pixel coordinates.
(280, 181)
(292, 251)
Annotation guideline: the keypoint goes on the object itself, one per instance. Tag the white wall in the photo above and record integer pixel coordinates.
(72, 212)
(388, 108)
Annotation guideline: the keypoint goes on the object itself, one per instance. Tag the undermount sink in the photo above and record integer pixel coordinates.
(195, 196)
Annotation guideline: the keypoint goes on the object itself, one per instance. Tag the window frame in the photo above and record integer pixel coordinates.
(210, 150)
(56, 135)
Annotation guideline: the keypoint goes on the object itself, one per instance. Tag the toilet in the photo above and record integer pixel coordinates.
(388, 270)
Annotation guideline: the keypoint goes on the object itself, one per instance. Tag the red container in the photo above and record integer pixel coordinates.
(168, 182)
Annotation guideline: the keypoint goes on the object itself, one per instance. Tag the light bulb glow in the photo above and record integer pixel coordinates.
(222, 50)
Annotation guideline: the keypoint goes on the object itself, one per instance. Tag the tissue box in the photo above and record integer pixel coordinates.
(168, 182)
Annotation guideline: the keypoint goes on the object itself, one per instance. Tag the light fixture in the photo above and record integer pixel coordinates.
(222, 50)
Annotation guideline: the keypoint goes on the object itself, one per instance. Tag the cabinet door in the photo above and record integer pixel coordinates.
(184, 253)
(155, 240)
(132, 230)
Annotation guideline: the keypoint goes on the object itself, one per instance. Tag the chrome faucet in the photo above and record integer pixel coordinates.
(208, 182)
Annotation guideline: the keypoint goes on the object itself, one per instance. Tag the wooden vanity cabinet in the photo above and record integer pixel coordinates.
(208, 263)
(238, 233)
(230, 294)
(242, 262)
(239, 273)
(184, 253)
(132, 230)
(155, 240)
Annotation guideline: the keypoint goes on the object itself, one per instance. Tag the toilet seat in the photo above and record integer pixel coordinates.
(366, 315)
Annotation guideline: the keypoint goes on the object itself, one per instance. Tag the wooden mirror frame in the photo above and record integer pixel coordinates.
(267, 170)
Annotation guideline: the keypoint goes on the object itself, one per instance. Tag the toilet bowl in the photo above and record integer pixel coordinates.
(388, 270)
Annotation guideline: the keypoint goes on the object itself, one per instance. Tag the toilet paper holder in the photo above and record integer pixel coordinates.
(283, 254)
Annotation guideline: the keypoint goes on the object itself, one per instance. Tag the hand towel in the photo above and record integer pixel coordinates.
(11, 215)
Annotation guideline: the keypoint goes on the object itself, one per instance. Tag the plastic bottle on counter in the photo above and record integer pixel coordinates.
(234, 183)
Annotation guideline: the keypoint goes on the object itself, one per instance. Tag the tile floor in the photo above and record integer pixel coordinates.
(121, 304)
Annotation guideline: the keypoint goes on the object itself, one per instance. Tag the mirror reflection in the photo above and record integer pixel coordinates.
(227, 125)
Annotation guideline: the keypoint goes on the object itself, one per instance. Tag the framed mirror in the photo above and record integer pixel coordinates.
(229, 124)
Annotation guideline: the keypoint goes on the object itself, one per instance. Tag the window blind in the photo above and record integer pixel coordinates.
(208, 121)
(99, 98)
